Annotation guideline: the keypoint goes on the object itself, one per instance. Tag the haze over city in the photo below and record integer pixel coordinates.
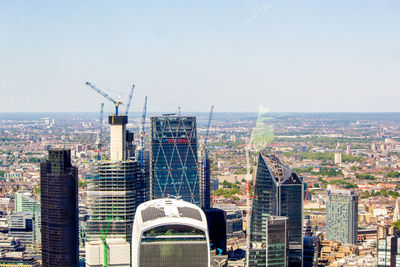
(245, 133)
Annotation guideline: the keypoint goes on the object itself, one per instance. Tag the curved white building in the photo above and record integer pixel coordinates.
(170, 232)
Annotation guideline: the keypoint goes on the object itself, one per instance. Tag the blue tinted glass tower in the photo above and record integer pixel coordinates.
(278, 192)
(173, 158)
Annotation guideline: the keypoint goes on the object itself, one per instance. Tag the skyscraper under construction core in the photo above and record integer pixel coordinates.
(116, 187)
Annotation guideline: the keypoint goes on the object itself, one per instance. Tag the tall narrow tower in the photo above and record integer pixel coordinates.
(173, 158)
(278, 191)
(118, 137)
(396, 215)
(342, 216)
(59, 201)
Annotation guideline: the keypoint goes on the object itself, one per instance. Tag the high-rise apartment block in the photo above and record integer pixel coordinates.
(342, 216)
(278, 192)
(173, 158)
(59, 203)
(338, 157)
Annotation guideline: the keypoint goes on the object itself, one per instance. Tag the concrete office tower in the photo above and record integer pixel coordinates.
(59, 202)
(121, 147)
(342, 216)
(170, 232)
(338, 157)
(388, 251)
(348, 152)
(117, 137)
(25, 226)
(25, 201)
(278, 192)
(118, 251)
(173, 158)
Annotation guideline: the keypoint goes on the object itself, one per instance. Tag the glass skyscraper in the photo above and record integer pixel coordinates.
(278, 192)
(205, 180)
(173, 158)
(342, 216)
(59, 202)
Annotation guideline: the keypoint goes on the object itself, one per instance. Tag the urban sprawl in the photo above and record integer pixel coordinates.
(207, 189)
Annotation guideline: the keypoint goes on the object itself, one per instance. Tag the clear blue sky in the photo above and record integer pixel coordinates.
(294, 55)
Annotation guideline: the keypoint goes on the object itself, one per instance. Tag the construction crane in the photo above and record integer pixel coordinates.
(116, 103)
(142, 133)
(308, 189)
(98, 141)
(104, 238)
(206, 162)
(208, 126)
(128, 103)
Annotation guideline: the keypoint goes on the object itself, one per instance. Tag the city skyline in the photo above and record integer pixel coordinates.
(319, 57)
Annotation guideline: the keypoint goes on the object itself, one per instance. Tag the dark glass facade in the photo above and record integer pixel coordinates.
(173, 158)
(205, 178)
(178, 246)
(278, 192)
(216, 221)
(311, 250)
(277, 248)
(59, 202)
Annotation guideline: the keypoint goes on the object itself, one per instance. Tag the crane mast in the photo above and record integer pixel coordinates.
(142, 133)
(128, 103)
(98, 141)
(205, 165)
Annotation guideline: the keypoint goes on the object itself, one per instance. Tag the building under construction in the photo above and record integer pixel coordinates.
(116, 187)
(113, 193)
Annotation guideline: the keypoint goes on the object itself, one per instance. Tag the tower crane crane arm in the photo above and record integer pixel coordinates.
(116, 103)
